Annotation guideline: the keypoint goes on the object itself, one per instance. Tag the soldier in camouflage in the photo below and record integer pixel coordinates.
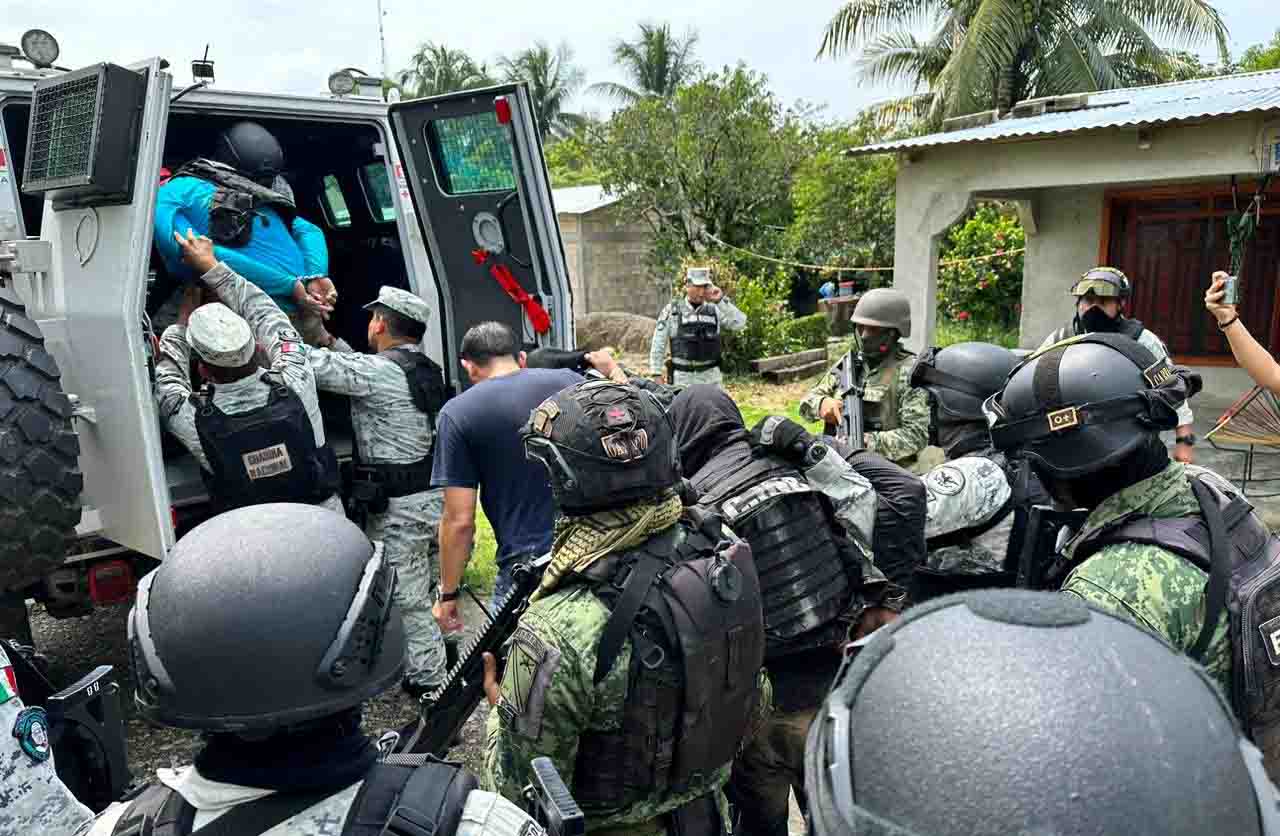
(585, 684)
(294, 461)
(976, 498)
(693, 326)
(1087, 414)
(32, 797)
(395, 394)
(1100, 296)
(895, 415)
(269, 644)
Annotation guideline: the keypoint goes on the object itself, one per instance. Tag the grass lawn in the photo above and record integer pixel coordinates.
(754, 397)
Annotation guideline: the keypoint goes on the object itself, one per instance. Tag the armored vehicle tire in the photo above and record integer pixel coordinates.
(40, 479)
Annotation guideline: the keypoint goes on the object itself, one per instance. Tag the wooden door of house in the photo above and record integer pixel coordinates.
(1169, 243)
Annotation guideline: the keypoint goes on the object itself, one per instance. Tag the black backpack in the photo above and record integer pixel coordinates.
(1242, 558)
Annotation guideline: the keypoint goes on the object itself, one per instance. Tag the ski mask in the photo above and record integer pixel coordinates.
(1096, 321)
(874, 349)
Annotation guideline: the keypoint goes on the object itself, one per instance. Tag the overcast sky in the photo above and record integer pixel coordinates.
(274, 45)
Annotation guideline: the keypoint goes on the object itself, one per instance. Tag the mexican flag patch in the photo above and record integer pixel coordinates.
(8, 683)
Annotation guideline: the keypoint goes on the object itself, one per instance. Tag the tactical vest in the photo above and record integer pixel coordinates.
(426, 387)
(696, 344)
(268, 454)
(1242, 559)
(236, 202)
(404, 794)
(808, 569)
(1131, 328)
(689, 601)
(880, 394)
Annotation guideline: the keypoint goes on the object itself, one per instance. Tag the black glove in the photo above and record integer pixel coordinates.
(782, 436)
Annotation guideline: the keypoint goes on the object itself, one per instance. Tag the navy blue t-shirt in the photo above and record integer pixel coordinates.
(478, 446)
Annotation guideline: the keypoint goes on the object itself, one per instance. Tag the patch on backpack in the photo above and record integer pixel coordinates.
(267, 462)
(530, 665)
(1270, 631)
(945, 480)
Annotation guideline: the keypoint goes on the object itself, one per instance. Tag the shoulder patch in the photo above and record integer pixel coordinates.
(945, 480)
(31, 729)
(8, 681)
(531, 663)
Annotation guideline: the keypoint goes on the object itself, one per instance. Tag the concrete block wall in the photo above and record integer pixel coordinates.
(608, 265)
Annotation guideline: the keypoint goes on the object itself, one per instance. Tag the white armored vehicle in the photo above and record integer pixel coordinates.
(429, 195)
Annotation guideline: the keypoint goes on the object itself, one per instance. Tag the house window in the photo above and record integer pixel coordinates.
(334, 202)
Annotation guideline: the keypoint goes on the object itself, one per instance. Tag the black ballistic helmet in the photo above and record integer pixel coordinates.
(1012, 712)
(1086, 403)
(265, 617)
(605, 445)
(252, 150)
(962, 376)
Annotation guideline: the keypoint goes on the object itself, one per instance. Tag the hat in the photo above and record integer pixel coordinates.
(219, 336)
(402, 302)
(699, 276)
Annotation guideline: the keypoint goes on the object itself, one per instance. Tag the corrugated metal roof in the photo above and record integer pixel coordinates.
(1129, 107)
(579, 200)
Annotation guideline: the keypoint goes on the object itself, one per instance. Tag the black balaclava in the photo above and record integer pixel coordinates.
(1096, 321)
(707, 421)
(1091, 490)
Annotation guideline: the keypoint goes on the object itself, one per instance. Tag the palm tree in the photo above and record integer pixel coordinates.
(657, 63)
(989, 54)
(435, 69)
(552, 80)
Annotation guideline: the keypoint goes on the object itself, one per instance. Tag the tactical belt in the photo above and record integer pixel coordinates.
(398, 479)
(687, 366)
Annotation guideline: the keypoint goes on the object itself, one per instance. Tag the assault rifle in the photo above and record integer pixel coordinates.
(852, 382)
(550, 803)
(86, 727)
(445, 710)
(1040, 543)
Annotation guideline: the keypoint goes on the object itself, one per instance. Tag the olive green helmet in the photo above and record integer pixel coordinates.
(1103, 282)
(884, 307)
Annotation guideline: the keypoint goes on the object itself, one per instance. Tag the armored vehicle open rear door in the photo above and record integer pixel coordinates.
(93, 151)
(482, 197)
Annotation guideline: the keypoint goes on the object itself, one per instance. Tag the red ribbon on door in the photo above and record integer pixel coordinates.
(538, 316)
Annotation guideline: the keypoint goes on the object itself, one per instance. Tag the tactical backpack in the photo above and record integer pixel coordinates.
(237, 201)
(1242, 559)
(426, 379)
(691, 607)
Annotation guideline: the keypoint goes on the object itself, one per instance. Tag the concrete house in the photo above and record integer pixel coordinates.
(605, 255)
(1140, 179)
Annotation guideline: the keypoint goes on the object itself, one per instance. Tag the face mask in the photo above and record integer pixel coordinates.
(1096, 321)
(873, 349)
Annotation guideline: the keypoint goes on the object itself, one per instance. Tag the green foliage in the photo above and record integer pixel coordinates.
(843, 206)
(657, 63)
(569, 162)
(807, 332)
(987, 292)
(1261, 56)
(482, 568)
(717, 156)
(984, 54)
(763, 299)
(553, 80)
(436, 69)
(950, 333)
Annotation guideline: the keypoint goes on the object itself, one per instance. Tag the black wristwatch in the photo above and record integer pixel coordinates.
(1189, 439)
(441, 595)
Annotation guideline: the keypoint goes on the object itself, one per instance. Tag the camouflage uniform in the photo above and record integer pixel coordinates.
(731, 319)
(965, 493)
(904, 409)
(285, 351)
(1147, 339)
(389, 428)
(1155, 588)
(32, 797)
(484, 814)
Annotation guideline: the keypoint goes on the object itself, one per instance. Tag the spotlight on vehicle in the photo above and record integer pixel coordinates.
(40, 48)
(202, 68)
(342, 83)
